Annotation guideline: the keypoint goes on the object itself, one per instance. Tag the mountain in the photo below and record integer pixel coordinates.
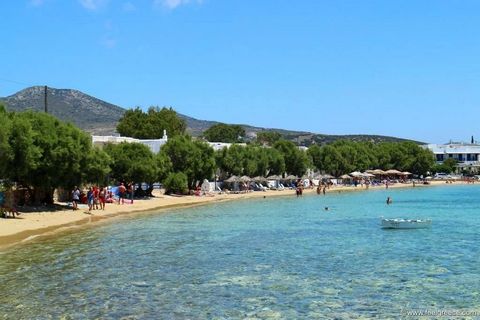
(99, 117)
(87, 112)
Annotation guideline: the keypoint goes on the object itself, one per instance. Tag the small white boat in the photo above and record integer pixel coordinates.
(405, 223)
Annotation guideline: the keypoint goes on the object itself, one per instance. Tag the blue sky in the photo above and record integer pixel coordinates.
(409, 69)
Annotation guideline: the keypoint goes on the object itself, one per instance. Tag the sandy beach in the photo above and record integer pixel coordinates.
(33, 224)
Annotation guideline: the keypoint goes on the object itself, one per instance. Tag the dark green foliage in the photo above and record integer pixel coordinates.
(250, 160)
(346, 156)
(137, 124)
(132, 162)
(176, 182)
(296, 160)
(5, 149)
(448, 166)
(97, 168)
(43, 153)
(222, 132)
(164, 166)
(268, 137)
(194, 158)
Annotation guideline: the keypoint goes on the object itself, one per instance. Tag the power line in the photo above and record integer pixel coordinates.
(17, 82)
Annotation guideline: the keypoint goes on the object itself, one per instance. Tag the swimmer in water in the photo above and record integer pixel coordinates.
(389, 200)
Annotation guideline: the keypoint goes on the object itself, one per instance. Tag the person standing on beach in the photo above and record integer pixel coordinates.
(121, 190)
(75, 198)
(90, 198)
(101, 197)
(96, 199)
(130, 191)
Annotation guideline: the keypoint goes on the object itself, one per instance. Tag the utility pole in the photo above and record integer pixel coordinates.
(46, 105)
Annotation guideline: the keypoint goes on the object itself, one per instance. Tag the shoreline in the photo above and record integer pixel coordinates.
(29, 226)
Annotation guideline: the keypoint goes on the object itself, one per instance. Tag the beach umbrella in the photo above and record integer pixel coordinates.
(377, 171)
(356, 174)
(393, 171)
(291, 177)
(368, 175)
(274, 177)
(232, 179)
(327, 176)
(345, 176)
(259, 178)
(406, 173)
(245, 179)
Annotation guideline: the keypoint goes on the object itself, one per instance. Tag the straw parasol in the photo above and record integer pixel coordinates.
(356, 174)
(345, 176)
(274, 177)
(245, 179)
(290, 177)
(327, 176)
(368, 175)
(259, 178)
(377, 171)
(232, 179)
(393, 171)
(406, 173)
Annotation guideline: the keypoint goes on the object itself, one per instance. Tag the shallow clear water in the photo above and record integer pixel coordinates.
(270, 258)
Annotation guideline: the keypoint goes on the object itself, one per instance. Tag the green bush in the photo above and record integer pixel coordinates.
(176, 183)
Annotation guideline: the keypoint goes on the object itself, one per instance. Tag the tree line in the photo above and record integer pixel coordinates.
(41, 153)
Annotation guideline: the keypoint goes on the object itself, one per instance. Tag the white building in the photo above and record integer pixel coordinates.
(153, 144)
(220, 145)
(466, 155)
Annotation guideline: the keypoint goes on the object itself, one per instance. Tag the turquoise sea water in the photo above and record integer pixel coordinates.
(277, 258)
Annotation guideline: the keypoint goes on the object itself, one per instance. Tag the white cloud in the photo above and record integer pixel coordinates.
(129, 7)
(93, 4)
(172, 4)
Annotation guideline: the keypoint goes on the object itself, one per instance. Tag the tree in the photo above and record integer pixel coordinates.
(5, 150)
(176, 182)
(164, 166)
(332, 161)
(222, 132)
(296, 160)
(276, 162)
(315, 154)
(194, 158)
(268, 137)
(132, 162)
(449, 165)
(230, 160)
(97, 167)
(150, 125)
(46, 154)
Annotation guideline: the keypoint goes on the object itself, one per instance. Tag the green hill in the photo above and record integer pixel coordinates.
(99, 117)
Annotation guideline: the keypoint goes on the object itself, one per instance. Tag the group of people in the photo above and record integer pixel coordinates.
(321, 189)
(96, 197)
